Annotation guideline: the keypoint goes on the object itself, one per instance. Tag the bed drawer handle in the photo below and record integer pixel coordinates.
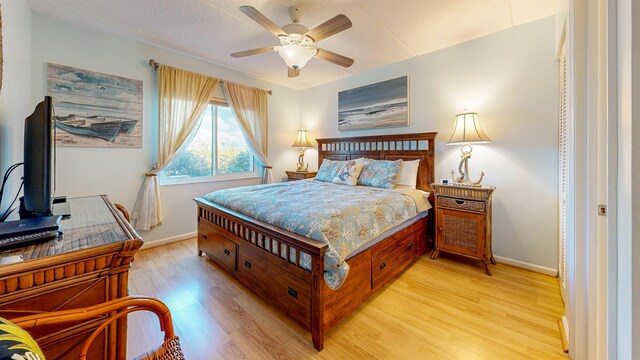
(411, 246)
(227, 252)
(204, 236)
(292, 293)
(247, 264)
(383, 265)
(460, 202)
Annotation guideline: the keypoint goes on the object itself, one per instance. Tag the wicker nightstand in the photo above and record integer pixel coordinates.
(297, 175)
(463, 221)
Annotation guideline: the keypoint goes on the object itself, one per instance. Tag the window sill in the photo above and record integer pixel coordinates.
(198, 180)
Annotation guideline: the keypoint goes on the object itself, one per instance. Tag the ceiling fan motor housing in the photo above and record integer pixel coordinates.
(297, 29)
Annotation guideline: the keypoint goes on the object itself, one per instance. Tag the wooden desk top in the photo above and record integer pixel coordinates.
(94, 222)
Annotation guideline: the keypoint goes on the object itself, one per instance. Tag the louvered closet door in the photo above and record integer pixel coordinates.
(563, 174)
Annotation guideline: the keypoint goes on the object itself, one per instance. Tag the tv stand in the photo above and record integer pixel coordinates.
(86, 266)
(26, 214)
(60, 207)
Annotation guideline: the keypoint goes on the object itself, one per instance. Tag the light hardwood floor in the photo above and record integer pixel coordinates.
(436, 309)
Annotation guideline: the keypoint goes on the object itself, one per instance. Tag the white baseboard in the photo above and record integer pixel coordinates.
(169, 240)
(527, 266)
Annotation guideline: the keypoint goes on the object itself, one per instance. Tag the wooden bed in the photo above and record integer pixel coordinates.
(237, 243)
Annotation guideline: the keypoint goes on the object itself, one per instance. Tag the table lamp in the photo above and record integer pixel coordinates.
(467, 131)
(302, 142)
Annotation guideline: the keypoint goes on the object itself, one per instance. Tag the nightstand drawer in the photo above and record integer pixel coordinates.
(296, 175)
(460, 204)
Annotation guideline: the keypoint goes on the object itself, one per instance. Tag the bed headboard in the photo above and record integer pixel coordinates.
(385, 147)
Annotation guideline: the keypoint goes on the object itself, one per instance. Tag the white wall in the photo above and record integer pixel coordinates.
(511, 79)
(15, 96)
(118, 172)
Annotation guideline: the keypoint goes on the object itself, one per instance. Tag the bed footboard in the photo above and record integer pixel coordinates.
(284, 268)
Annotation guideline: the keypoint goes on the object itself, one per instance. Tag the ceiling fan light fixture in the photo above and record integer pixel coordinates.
(297, 42)
(296, 56)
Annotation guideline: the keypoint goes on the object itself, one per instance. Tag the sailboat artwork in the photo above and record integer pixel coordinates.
(95, 109)
(100, 127)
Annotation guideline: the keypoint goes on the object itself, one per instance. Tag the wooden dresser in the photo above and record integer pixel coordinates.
(85, 266)
(463, 221)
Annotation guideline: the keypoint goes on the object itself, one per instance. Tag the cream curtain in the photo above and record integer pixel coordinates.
(182, 98)
(250, 107)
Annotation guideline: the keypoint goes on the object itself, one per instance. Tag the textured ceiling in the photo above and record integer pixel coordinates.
(383, 32)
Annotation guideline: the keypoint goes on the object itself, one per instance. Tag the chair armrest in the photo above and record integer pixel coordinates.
(122, 306)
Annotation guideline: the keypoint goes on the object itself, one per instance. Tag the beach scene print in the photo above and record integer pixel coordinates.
(378, 105)
(95, 109)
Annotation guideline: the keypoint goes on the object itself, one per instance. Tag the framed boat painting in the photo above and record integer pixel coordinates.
(95, 109)
(379, 105)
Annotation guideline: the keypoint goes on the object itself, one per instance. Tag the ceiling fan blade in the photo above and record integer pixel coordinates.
(257, 16)
(330, 27)
(332, 57)
(261, 50)
(292, 72)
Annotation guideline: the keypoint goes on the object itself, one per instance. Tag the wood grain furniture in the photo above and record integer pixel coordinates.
(123, 211)
(298, 175)
(86, 266)
(225, 236)
(114, 310)
(463, 222)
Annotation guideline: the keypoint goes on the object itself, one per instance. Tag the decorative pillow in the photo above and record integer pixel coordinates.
(348, 174)
(361, 161)
(379, 173)
(329, 169)
(408, 174)
(16, 343)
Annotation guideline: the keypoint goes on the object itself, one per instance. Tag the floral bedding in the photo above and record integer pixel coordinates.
(344, 217)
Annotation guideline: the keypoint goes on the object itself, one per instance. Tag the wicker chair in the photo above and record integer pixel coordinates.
(169, 350)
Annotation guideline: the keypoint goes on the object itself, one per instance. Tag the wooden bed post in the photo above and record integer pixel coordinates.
(317, 302)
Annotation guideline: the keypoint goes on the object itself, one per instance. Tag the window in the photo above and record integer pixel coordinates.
(217, 150)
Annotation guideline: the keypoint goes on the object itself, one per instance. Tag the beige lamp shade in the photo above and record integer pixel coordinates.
(467, 130)
(302, 140)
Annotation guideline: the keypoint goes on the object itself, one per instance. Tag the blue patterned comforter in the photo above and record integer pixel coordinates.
(344, 217)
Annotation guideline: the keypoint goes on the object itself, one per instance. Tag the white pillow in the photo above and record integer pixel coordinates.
(408, 174)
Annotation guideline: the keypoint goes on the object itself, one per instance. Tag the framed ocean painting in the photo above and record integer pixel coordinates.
(95, 109)
(379, 105)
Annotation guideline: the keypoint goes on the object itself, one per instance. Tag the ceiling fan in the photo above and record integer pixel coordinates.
(297, 42)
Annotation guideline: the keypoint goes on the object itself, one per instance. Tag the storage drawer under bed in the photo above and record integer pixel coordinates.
(218, 247)
(275, 285)
(392, 259)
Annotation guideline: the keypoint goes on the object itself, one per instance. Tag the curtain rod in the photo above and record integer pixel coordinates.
(154, 66)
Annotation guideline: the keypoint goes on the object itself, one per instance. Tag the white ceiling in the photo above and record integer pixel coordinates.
(383, 32)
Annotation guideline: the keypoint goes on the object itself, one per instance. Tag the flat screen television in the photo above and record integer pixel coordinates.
(39, 157)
